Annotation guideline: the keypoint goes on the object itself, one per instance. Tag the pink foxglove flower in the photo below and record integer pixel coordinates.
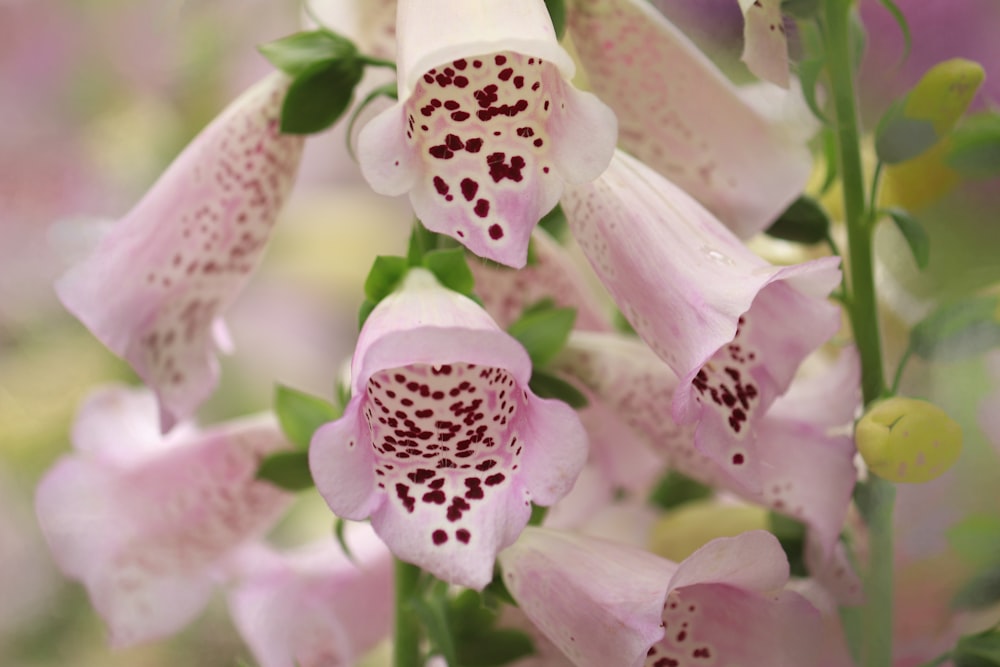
(155, 286)
(488, 127)
(146, 523)
(604, 603)
(315, 606)
(686, 120)
(805, 472)
(443, 444)
(765, 47)
(732, 327)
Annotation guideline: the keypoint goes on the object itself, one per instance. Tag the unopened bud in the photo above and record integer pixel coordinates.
(908, 440)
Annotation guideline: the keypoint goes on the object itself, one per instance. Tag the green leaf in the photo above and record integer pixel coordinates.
(338, 532)
(958, 330)
(554, 222)
(386, 273)
(557, 12)
(904, 27)
(296, 54)
(477, 642)
(898, 138)
(451, 269)
(538, 514)
(675, 489)
(975, 146)
(469, 616)
(914, 233)
(791, 535)
(543, 333)
(978, 650)
(800, 9)
(318, 97)
(287, 470)
(495, 648)
(546, 385)
(809, 73)
(975, 539)
(982, 591)
(300, 414)
(432, 610)
(422, 241)
(804, 221)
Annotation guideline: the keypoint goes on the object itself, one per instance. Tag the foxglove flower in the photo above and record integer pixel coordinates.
(443, 444)
(487, 127)
(603, 603)
(732, 327)
(687, 120)
(146, 523)
(805, 472)
(315, 606)
(156, 284)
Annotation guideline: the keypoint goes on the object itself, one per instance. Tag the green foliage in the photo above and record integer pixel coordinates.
(981, 591)
(287, 470)
(451, 269)
(674, 489)
(386, 273)
(792, 536)
(476, 640)
(958, 330)
(804, 221)
(422, 241)
(557, 12)
(300, 414)
(296, 54)
(975, 146)
(914, 233)
(546, 385)
(543, 332)
(554, 222)
(800, 9)
(978, 650)
(904, 27)
(387, 90)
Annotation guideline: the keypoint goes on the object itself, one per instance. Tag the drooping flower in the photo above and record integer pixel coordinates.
(487, 128)
(145, 522)
(687, 120)
(156, 284)
(443, 444)
(604, 603)
(805, 471)
(731, 326)
(765, 47)
(315, 606)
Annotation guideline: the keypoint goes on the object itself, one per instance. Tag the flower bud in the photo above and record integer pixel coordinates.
(908, 440)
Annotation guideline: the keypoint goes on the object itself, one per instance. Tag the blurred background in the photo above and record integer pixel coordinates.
(96, 98)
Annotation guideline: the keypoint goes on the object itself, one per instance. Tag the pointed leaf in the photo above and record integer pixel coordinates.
(546, 385)
(904, 27)
(557, 12)
(958, 330)
(296, 54)
(319, 96)
(300, 414)
(898, 138)
(386, 273)
(432, 611)
(804, 221)
(451, 269)
(543, 333)
(287, 470)
(914, 233)
(422, 241)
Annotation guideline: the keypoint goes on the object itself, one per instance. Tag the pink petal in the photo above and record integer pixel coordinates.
(154, 287)
(687, 120)
(446, 445)
(765, 48)
(715, 312)
(554, 275)
(598, 601)
(145, 535)
(314, 607)
(752, 561)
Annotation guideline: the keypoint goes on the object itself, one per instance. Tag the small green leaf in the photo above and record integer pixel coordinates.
(543, 333)
(554, 222)
(546, 385)
(451, 269)
(469, 616)
(804, 221)
(958, 330)
(675, 489)
(497, 589)
(982, 591)
(432, 610)
(300, 414)
(975, 146)
(386, 273)
(978, 650)
(422, 241)
(898, 138)
(338, 532)
(914, 233)
(296, 54)
(318, 97)
(287, 470)
(904, 27)
(538, 514)
(809, 73)
(557, 12)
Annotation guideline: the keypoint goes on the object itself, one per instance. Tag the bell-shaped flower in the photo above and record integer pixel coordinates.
(732, 327)
(604, 603)
(154, 287)
(147, 523)
(315, 606)
(443, 444)
(686, 120)
(487, 128)
(806, 471)
(553, 274)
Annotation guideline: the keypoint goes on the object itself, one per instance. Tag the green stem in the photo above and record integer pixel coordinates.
(406, 647)
(877, 494)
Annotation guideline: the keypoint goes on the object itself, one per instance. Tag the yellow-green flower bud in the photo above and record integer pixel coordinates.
(908, 440)
(944, 93)
(688, 527)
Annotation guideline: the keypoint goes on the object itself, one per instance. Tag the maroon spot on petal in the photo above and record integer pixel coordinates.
(428, 78)
(469, 188)
(459, 116)
(482, 209)
(525, 132)
(451, 105)
(462, 535)
(701, 653)
(439, 536)
(506, 73)
(473, 145)
(440, 185)
(461, 81)
(500, 59)
(486, 465)
(537, 143)
(453, 142)
(436, 496)
(496, 231)
(477, 63)
(493, 480)
(518, 82)
(460, 64)
(441, 152)
(738, 459)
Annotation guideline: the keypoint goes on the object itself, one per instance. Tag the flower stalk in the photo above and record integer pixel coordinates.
(876, 496)
(406, 645)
